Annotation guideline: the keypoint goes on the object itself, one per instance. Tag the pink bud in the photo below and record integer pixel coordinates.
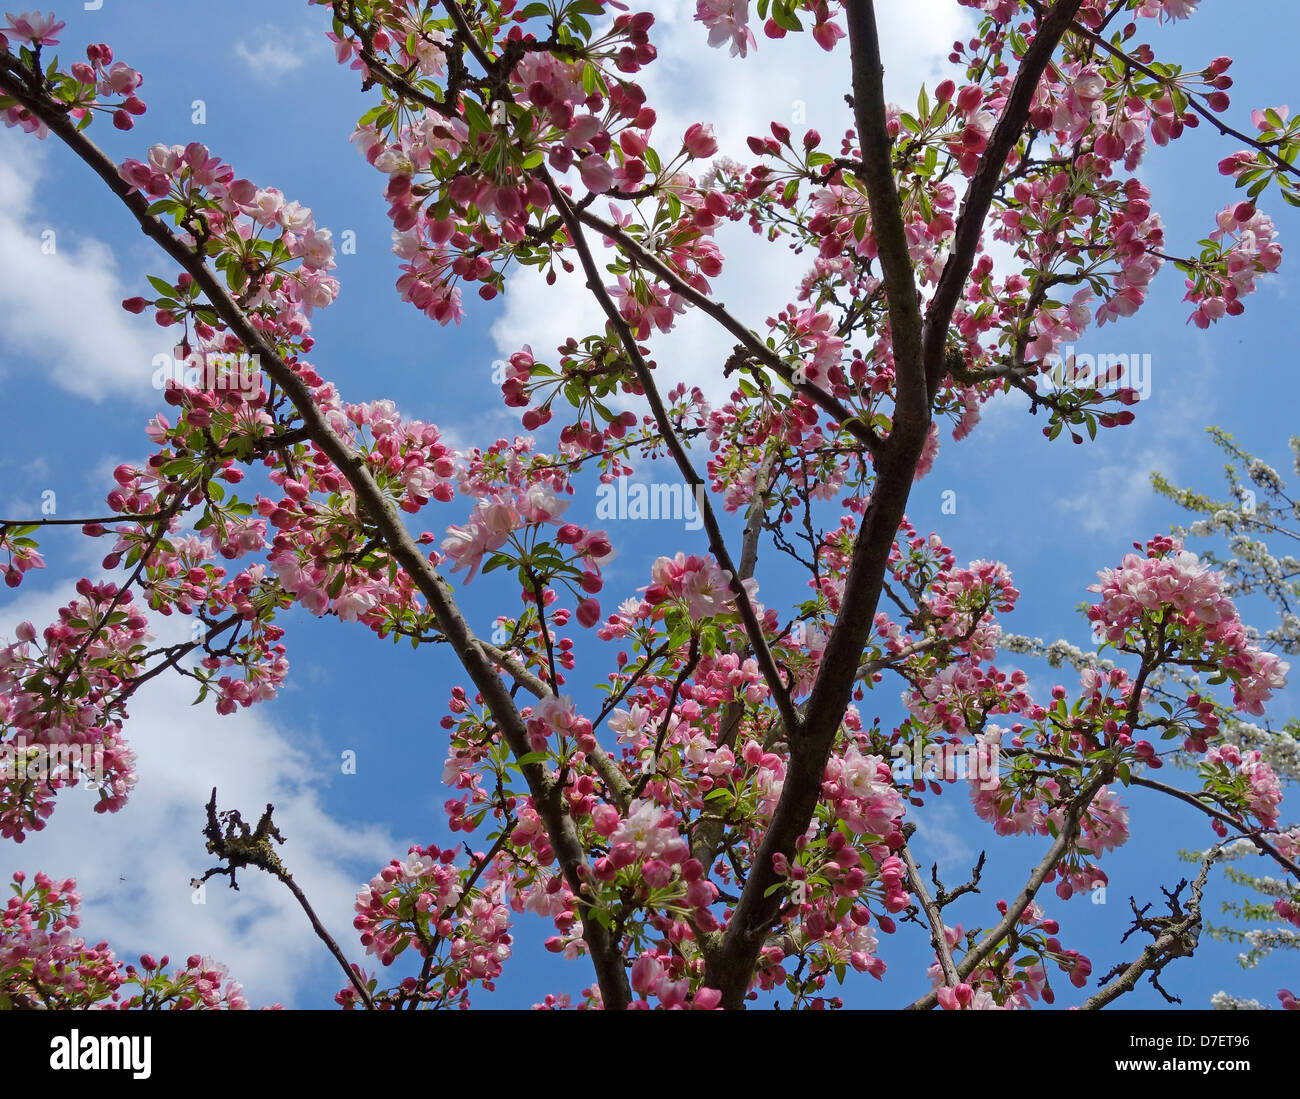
(604, 819)
(969, 98)
(700, 141)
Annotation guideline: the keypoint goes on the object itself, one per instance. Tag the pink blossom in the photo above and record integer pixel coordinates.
(36, 28)
(728, 21)
(700, 141)
(597, 175)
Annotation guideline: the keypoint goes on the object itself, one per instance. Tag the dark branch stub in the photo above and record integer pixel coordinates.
(238, 846)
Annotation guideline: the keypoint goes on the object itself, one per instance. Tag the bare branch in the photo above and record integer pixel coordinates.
(931, 909)
(1176, 936)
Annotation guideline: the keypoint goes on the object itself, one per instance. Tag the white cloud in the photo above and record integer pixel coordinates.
(941, 833)
(62, 308)
(133, 867)
(273, 53)
(1115, 495)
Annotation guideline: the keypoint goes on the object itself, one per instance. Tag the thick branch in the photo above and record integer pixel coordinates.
(730, 968)
(887, 226)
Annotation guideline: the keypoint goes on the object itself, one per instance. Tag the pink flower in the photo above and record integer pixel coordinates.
(35, 27)
(317, 249)
(597, 175)
(646, 974)
(826, 34)
(1260, 120)
(956, 999)
(122, 79)
(629, 725)
(707, 999)
(605, 819)
(1168, 9)
(727, 20)
(700, 141)
(928, 453)
(542, 504)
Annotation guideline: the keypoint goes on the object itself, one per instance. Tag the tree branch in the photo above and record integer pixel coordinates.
(755, 346)
(731, 967)
(937, 936)
(1181, 930)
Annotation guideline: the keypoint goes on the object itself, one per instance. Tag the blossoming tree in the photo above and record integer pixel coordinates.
(729, 819)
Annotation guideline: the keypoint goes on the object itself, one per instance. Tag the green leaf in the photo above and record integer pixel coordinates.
(496, 561)
(785, 17)
(532, 757)
(476, 116)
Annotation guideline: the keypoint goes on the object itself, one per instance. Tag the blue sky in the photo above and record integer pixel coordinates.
(75, 378)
